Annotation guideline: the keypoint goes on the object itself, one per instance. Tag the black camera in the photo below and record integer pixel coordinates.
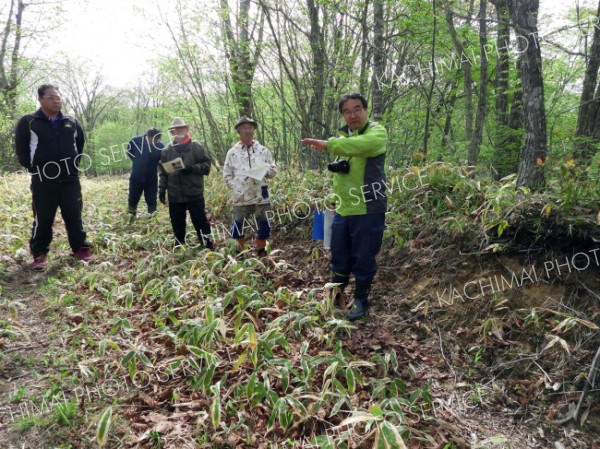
(342, 166)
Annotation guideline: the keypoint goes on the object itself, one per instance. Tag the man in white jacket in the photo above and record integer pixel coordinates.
(247, 167)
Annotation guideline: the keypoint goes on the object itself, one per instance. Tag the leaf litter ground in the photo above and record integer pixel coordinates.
(494, 377)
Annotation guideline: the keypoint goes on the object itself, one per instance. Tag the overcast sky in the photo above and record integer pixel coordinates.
(122, 36)
(119, 36)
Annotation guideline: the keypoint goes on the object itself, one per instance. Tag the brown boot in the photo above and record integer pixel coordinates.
(241, 241)
(261, 247)
(336, 294)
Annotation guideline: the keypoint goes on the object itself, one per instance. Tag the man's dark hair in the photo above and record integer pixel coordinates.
(44, 87)
(153, 132)
(352, 96)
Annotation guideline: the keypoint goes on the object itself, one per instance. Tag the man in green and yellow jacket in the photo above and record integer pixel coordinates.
(359, 189)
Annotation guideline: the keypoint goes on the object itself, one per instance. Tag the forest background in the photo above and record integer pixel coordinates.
(465, 82)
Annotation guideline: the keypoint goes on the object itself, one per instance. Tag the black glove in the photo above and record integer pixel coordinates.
(186, 171)
(162, 197)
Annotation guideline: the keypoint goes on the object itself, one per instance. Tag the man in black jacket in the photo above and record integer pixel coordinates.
(49, 145)
(184, 164)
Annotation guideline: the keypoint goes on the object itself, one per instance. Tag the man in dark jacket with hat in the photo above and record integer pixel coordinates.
(144, 152)
(49, 144)
(184, 164)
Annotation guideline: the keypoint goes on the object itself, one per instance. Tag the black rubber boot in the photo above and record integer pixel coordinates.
(343, 280)
(361, 300)
(359, 309)
(207, 242)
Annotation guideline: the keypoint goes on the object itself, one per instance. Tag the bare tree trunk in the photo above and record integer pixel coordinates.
(516, 118)
(475, 145)
(431, 87)
(588, 122)
(238, 52)
(317, 45)
(513, 135)
(501, 81)
(364, 47)
(284, 126)
(524, 16)
(9, 75)
(505, 158)
(448, 105)
(468, 79)
(378, 60)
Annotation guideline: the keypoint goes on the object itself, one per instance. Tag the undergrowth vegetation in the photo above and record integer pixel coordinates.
(171, 347)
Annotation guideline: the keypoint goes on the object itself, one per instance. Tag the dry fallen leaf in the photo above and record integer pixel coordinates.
(148, 400)
(164, 426)
(155, 418)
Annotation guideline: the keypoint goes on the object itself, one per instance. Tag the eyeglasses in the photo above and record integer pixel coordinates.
(355, 111)
(52, 98)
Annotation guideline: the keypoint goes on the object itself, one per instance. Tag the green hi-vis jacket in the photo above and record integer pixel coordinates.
(362, 190)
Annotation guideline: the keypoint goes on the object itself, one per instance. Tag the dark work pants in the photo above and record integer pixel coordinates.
(177, 213)
(355, 241)
(147, 185)
(46, 198)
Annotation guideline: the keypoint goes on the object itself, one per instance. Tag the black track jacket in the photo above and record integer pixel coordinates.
(50, 154)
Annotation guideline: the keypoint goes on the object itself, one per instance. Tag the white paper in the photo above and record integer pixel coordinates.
(257, 172)
(327, 222)
(173, 166)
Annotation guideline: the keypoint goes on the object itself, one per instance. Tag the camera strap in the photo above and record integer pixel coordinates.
(337, 158)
